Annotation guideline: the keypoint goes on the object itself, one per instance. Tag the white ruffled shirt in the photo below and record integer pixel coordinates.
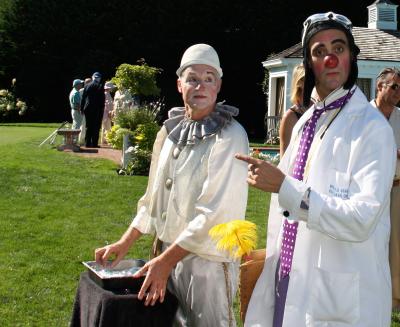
(394, 121)
(192, 188)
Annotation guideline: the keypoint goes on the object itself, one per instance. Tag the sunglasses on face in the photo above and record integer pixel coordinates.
(394, 86)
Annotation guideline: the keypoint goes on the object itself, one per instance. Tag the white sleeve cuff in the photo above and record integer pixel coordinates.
(143, 222)
(314, 211)
(290, 196)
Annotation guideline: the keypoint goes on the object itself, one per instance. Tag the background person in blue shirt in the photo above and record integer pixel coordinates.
(75, 103)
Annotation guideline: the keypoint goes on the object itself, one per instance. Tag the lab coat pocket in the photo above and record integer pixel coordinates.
(340, 153)
(338, 184)
(334, 298)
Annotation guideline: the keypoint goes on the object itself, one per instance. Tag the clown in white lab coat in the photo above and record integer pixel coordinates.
(336, 187)
(340, 265)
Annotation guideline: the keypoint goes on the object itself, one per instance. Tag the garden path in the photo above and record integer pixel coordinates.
(105, 151)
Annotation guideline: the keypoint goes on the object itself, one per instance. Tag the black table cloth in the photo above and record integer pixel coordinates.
(96, 307)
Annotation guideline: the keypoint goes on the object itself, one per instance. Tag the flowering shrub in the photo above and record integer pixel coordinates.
(140, 162)
(272, 158)
(130, 119)
(9, 103)
(145, 135)
(140, 154)
(139, 124)
(115, 136)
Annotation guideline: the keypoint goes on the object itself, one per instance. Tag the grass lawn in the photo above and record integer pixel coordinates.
(55, 209)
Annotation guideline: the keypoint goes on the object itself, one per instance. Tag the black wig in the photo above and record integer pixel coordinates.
(309, 79)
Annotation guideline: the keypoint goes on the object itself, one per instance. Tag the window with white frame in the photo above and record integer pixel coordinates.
(365, 85)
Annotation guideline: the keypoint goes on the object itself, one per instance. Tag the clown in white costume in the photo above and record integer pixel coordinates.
(194, 184)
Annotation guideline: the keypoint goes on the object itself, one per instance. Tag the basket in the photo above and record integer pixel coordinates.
(250, 270)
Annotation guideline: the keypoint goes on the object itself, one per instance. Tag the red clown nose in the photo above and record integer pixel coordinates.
(331, 61)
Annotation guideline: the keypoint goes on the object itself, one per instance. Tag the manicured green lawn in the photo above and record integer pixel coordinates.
(55, 209)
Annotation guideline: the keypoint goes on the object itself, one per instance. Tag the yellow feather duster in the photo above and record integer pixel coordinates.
(238, 237)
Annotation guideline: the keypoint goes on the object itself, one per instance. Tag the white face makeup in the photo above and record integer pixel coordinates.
(199, 86)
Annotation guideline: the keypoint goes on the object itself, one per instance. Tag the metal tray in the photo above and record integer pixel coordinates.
(118, 279)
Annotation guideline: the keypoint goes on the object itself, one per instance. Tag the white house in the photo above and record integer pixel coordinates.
(379, 45)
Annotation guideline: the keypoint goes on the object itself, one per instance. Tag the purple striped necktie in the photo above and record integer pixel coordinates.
(307, 136)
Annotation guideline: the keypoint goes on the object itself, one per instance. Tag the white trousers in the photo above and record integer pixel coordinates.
(77, 118)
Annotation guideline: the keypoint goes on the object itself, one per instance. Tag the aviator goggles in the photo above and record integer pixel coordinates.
(329, 16)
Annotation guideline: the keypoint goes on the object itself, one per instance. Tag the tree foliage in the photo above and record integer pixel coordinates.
(138, 79)
(45, 44)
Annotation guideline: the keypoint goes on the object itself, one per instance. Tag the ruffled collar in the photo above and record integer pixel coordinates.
(185, 131)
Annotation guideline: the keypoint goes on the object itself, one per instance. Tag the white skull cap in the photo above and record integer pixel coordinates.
(200, 54)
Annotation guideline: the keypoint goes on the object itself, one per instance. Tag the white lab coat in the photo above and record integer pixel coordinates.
(340, 273)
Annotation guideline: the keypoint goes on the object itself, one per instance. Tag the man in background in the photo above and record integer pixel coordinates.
(387, 97)
(92, 106)
(82, 134)
(75, 103)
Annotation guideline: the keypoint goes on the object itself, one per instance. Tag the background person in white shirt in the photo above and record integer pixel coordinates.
(107, 113)
(387, 97)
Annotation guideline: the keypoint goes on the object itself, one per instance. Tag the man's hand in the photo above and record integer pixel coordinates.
(262, 174)
(118, 249)
(157, 272)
